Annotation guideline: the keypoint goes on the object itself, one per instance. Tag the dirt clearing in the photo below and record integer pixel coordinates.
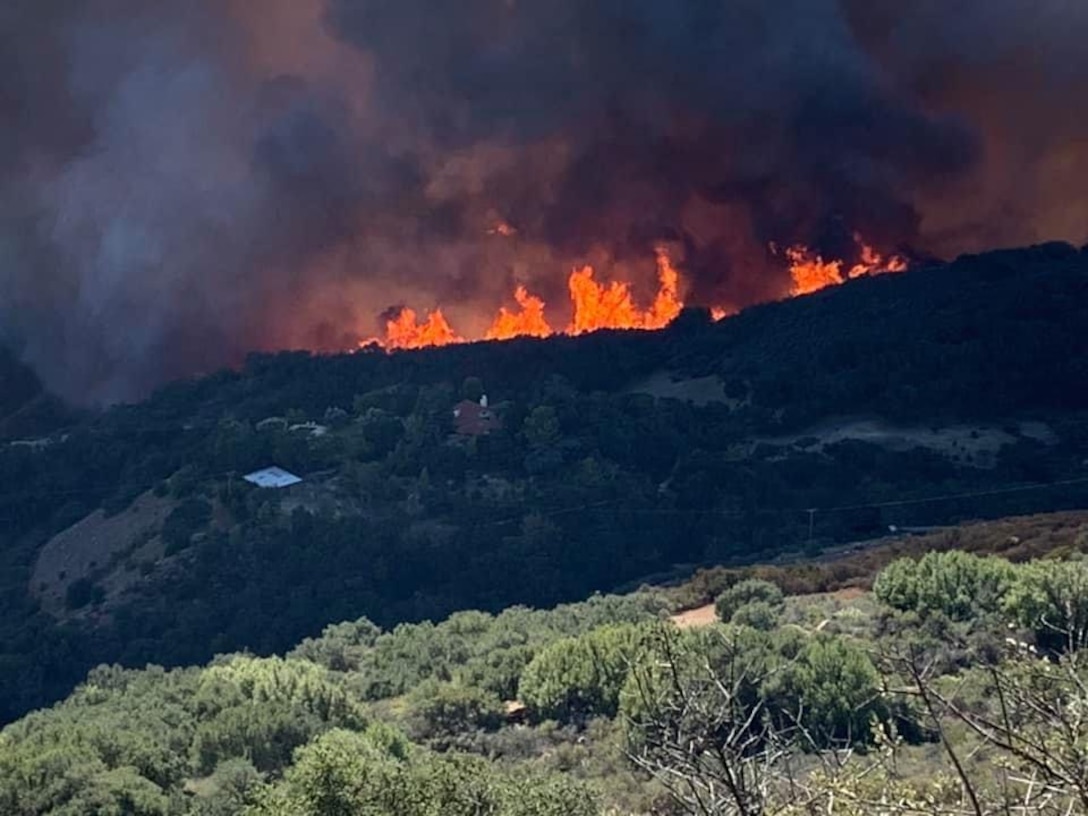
(692, 618)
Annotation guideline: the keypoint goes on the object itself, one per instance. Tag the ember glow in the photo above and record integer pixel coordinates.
(596, 305)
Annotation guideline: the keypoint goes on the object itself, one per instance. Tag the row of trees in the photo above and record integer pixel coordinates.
(1047, 597)
(828, 687)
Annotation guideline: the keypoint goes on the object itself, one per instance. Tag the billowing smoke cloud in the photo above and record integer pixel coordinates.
(183, 183)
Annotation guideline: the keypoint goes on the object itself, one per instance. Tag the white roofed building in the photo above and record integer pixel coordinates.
(272, 477)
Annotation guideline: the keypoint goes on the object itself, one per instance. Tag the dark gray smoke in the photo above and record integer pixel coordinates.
(183, 183)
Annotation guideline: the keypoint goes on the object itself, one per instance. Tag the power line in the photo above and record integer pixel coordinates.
(950, 496)
(666, 511)
(812, 511)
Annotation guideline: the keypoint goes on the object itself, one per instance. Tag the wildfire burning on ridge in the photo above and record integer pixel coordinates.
(597, 305)
(810, 272)
(184, 184)
(403, 331)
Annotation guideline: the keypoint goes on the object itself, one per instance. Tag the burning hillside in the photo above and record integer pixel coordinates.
(595, 306)
(183, 183)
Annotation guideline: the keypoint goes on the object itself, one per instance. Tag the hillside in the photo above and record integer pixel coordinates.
(943, 690)
(26, 410)
(947, 393)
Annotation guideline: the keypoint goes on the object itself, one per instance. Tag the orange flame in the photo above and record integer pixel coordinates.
(810, 272)
(403, 332)
(667, 304)
(599, 306)
(529, 322)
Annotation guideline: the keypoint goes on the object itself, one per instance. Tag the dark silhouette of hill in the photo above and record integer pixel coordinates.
(19, 389)
(18, 385)
(981, 337)
(26, 409)
(950, 392)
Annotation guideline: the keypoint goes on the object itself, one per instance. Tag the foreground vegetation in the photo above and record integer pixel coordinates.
(958, 686)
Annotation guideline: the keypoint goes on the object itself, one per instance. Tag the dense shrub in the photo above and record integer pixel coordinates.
(956, 584)
(341, 646)
(823, 690)
(686, 681)
(343, 773)
(1051, 598)
(581, 677)
(757, 615)
(443, 710)
(832, 690)
(745, 592)
(492, 649)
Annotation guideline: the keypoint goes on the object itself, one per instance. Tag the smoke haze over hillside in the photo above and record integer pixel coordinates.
(183, 183)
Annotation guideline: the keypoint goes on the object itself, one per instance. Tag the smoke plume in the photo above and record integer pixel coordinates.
(182, 183)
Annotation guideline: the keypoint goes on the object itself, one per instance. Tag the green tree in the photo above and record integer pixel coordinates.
(757, 615)
(118, 792)
(582, 676)
(552, 795)
(184, 521)
(273, 679)
(695, 719)
(1051, 598)
(266, 733)
(326, 778)
(234, 785)
(341, 646)
(691, 665)
(746, 592)
(831, 690)
(263, 708)
(345, 774)
(541, 427)
(444, 710)
(959, 585)
(497, 671)
(472, 389)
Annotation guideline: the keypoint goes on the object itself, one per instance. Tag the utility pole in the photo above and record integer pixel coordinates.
(811, 522)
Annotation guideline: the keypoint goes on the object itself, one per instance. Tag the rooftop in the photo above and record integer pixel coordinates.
(272, 477)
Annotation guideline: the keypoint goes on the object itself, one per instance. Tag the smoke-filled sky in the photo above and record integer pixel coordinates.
(183, 182)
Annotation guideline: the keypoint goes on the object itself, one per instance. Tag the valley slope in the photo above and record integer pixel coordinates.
(951, 392)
